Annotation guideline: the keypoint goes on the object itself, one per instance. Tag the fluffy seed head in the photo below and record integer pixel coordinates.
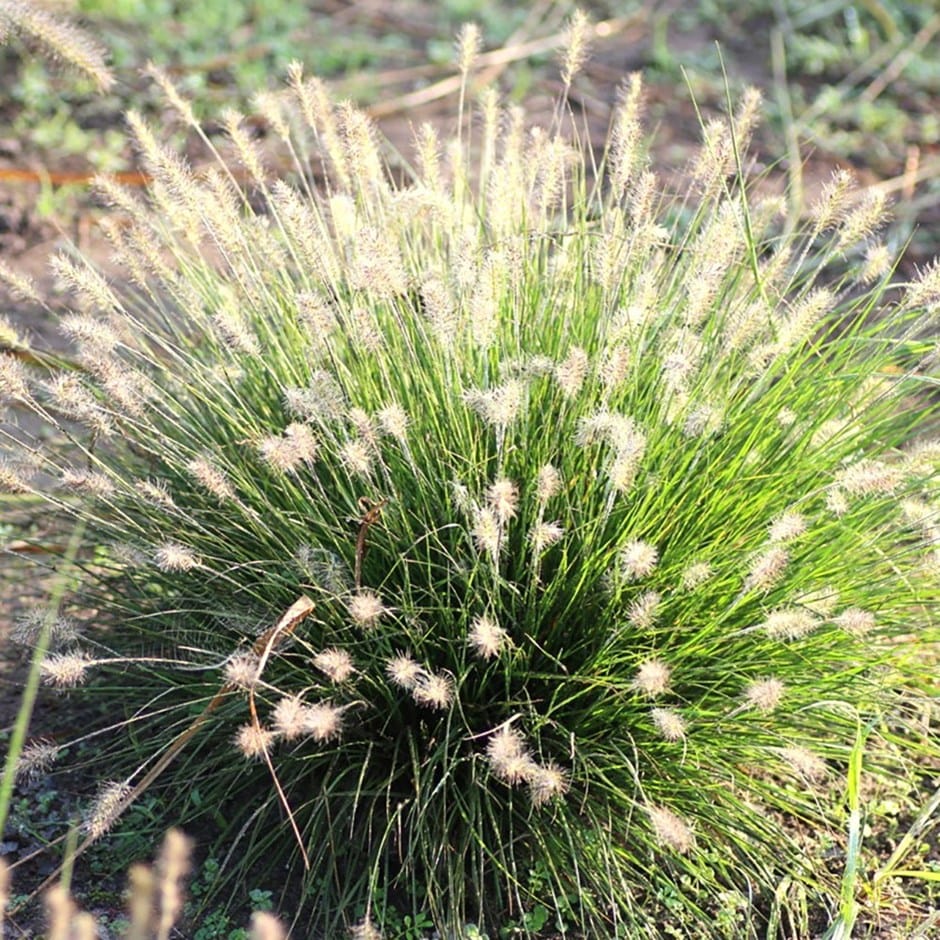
(65, 670)
(366, 609)
(378, 268)
(547, 782)
(254, 741)
(13, 382)
(108, 805)
(393, 420)
(30, 623)
(487, 637)
(803, 319)
(643, 611)
(175, 557)
(576, 43)
(207, 475)
(862, 219)
(789, 624)
(288, 717)
(363, 160)
(356, 457)
(161, 888)
(821, 601)
(786, 527)
(571, 372)
(64, 41)
(652, 678)
(72, 397)
(919, 514)
(468, 46)
(439, 309)
(767, 569)
(248, 153)
(503, 498)
(856, 621)
(624, 436)
(322, 400)
(626, 136)
(545, 534)
(364, 425)
(155, 492)
(670, 724)
(499, 406)
(427, 147)
(486, 531)
(433, 690)
(764, 694)
(366, 930)
(96, 338)
(93, 484)
(837, 502)
(12, 479)
(923, 457)
(35, 759)
(241, 671)
(549, 483)
(697, 573)
(615, 366)
(622, 470)
(344, 215)
(403, 671)
(266, 926)
(171, 93)
(60, 908)
(638, 559)
(829, 431)
(234, 330)
(702, 419)
(870, 478)
(877, 263)
(290, 451)
(924, 290)
(670, 829)
(829, 209)
(21, 287)
(804, 763)
(335, 664)
(509, 756)
(323, 722)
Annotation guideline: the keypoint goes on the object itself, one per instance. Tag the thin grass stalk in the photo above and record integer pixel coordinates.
(57, 594)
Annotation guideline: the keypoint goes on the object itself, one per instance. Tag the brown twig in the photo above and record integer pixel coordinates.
(299, 610)
(370, 515)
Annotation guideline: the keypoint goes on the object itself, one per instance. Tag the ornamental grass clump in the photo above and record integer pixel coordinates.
(509, 533)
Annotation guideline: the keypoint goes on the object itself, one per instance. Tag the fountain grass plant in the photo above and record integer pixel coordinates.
(512, 536)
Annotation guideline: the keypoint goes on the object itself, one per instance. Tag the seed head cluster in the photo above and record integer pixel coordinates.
(638, 559)
(366, 609)
(652, 678)
(487, 638)
(764, 694)
(510, 757)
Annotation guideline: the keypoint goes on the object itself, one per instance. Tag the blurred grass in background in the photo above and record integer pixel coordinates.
(861, 78)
